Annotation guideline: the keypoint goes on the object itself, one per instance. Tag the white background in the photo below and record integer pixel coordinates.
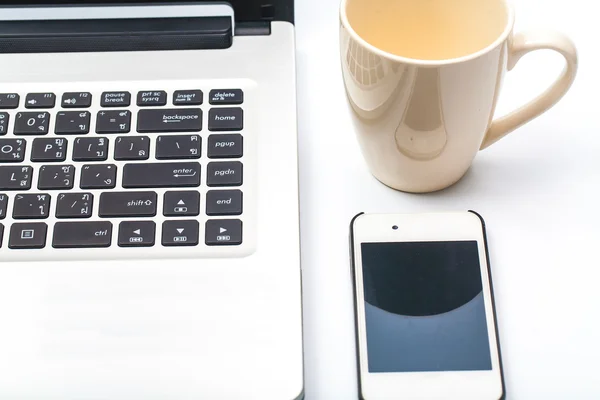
(538, 189)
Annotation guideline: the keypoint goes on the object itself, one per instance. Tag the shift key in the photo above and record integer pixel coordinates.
(169, 120)
(159, 175)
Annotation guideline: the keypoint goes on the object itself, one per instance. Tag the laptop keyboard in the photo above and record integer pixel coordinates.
(124, 169)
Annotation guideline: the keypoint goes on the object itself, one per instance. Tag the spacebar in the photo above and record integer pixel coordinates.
(157, 175)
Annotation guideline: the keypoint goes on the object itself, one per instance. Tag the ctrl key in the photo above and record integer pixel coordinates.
(69, 235)
(28, 235)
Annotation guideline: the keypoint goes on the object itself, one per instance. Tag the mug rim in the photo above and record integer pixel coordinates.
(434, 63)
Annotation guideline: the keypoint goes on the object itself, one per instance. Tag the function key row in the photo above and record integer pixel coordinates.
(127, 148)
(123, 204)
(89, 234)
(119, 121)
(123, 98)
(135, 176)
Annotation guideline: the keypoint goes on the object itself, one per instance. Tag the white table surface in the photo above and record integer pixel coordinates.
(538, 189)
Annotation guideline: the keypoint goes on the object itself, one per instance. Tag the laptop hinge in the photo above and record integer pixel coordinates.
(252, 28)
(98, 35)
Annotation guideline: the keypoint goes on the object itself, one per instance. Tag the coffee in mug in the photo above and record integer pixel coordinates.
(428, 29)
(423, 78)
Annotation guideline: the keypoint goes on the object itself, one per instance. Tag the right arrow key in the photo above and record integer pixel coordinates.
(223, 232)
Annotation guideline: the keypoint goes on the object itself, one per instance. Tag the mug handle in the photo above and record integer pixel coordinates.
(522, 44)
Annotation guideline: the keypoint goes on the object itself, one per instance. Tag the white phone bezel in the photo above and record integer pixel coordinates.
(464, 385)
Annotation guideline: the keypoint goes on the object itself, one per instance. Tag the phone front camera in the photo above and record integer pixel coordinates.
(395, 227)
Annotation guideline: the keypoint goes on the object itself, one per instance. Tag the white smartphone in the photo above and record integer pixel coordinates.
(425, 314)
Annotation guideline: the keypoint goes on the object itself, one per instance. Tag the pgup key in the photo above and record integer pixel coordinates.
(225, 146)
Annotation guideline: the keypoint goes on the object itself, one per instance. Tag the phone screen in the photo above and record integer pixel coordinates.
(424, 307)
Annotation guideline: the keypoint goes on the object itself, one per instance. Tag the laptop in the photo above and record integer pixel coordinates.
(149, 223)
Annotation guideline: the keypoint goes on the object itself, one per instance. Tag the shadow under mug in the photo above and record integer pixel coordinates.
(420, 123)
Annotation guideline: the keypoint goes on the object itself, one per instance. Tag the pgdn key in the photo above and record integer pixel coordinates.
(227, 173)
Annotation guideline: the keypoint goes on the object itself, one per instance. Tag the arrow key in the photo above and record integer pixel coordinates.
(178, 204)
(180, 233)
(223, 232)
(136, 233)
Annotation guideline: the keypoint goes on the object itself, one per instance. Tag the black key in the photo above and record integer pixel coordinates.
(9, 100)
(74, 205)
(183, 203)
(225, 146)
(136, 233)
(127, 204)
(56, 177)
(12, 150)
(115, 99)
(223, 232)
(76, 100)
(187, 97)
(31, 206)
(90, 149)
(169, 147)
(28, 235)
(49, 149)
(180, 233)
(226, 96)
(1, 234)
(40, 100)
(156, 175)
(170, 120)
(117, 121)
(224, 202)
(72, 123)
(3, 206)
(68, 235)
(4, 119)
(32, 123)
(98, 176)
(152, 98)
(226, 173)
(132, 148)
(15, 178)
(226, 119)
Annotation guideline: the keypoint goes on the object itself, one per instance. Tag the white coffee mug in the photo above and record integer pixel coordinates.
(420, 123)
